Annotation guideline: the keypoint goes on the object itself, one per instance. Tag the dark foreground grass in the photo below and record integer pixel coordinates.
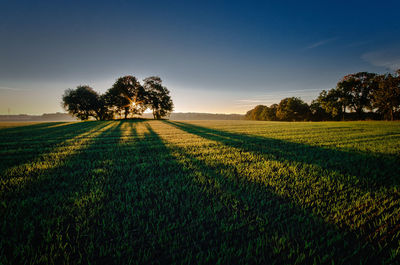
(121, 192)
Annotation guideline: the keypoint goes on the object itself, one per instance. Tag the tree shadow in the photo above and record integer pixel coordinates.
(238, 223)
(36, 221)
(39, 131)
(30, 127)
(360, 204)
(24, 144)
(128, 196)
(46, 135)
(367, 171)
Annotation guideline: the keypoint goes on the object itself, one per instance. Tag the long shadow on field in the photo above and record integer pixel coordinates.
(126, 196)
(25, 176)
(367, 171)
(29, 127)
(39, 131)
(23, 144)
(199, 213)
(35, 225)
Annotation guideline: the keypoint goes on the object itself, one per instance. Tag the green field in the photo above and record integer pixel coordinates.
(120, 192)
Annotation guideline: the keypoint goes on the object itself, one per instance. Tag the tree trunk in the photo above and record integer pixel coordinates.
(391, 114)
(126, 113)
(343, 111)
(359, 114)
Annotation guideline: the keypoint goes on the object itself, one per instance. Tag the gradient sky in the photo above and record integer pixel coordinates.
(214, 56)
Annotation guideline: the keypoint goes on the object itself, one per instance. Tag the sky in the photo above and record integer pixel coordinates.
(213, 56)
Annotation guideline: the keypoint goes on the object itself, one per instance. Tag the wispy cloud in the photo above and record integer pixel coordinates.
(303, 90)
(320, 43)
(296, 93)
(358, 43)
(253, 102)
(389, 59)
(250, 100)
(12, 88)
(277, 96)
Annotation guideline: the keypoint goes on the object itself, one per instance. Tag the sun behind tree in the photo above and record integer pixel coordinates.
(127, 95)
(126, 98)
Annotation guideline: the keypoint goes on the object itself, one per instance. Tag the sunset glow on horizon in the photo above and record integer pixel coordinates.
(223, 57)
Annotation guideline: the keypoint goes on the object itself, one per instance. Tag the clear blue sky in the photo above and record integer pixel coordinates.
(214, 56)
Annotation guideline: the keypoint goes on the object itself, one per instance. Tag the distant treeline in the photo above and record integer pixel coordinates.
(356, 97)
(126, 98)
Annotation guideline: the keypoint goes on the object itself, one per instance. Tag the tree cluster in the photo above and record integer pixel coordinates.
(356, 96)
(126, 98)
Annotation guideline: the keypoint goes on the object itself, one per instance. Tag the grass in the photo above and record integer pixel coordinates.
(200, 192)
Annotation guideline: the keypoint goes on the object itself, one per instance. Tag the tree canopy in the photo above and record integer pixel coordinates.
(158, 98)
(289, 109)
(333, 102)
(292, 109)
(356, 91)
(83, 102)
(127, 97)
(386, 97)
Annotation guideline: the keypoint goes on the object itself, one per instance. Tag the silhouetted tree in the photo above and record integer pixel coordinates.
(83, 102)
(126, 95)
(333, 102)
(104, 112)
(247, 116)
(318, 113)
(269, 113)
(157, 97)
(356, 91)
(386, 97)
(255, 114)
(292, 109)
